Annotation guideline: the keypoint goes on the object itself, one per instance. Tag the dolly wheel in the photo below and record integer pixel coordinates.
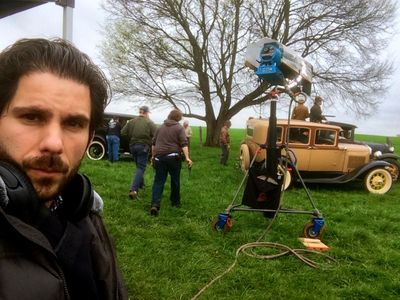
(308, 231)
(226, 227)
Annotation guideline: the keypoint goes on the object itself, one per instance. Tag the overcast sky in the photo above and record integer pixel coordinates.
(88, 17)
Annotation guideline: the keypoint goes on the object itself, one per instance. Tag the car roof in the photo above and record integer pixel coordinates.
(343, 125)
(293, 122)
(121, 115)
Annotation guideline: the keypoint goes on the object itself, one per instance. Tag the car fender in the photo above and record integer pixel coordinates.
(388, 155)
(371, 165)
(352, 175)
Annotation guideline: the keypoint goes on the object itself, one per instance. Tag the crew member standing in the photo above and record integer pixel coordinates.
(225, 142)
(140, 132)
(316, 111)
(188, 131)
(113, 139)
(300, 111)
(168, 144)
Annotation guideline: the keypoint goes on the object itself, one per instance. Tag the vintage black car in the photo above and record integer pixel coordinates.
(98, 147)
(378, 150)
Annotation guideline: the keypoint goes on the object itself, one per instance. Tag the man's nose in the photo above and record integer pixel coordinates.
(52, 139)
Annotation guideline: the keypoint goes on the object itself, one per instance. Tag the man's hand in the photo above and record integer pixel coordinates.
(189, 162)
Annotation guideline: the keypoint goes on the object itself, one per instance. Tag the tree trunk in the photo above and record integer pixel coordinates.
(213, 130)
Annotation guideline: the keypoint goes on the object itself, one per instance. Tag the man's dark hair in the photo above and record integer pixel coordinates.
(318, 99)
(175, 115)
(58, 57)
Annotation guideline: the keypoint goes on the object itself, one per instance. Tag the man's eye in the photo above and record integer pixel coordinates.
(77, 124)
(31, 117)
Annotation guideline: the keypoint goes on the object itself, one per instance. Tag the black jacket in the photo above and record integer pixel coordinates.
(32, 268)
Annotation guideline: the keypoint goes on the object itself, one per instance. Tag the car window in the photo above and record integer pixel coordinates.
(299, 135)
(325, 137)
(249, 131)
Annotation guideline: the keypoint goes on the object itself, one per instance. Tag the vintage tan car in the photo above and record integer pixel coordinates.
(315, 149)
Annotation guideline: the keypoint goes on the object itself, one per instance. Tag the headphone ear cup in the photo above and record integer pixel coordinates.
(77, 198)
(23, 201)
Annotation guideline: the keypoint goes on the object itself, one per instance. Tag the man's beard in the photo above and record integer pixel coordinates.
(46, 188)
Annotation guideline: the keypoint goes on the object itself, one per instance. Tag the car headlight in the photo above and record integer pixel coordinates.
(391, 149)
(377, 154)
(369, 149)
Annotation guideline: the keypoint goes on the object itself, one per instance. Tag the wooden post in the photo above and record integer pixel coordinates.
(201, 135)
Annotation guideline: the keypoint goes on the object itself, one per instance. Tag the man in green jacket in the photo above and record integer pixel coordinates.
(53, 243)
(140, 132)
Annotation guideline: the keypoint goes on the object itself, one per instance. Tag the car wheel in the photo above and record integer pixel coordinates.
(396, 166)
(288, 178)
(378, 181)
(96, 150)
(244, 157)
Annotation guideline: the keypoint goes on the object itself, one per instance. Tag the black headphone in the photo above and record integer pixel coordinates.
(24, 203)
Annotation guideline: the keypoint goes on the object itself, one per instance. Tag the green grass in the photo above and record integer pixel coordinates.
(176, 254)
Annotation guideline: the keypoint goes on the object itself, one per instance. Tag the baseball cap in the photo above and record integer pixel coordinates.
(144, 109)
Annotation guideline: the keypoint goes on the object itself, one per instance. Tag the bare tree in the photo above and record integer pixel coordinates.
(189, 54)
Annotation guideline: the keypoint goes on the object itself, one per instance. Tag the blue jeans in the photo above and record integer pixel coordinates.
(113, 147)
(164, 165)
(140, 153)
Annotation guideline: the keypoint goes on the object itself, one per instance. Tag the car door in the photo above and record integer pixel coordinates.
(325, 155)
(299, 142)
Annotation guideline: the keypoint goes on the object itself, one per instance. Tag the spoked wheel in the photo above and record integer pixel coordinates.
(378, 181)
(244, 157)
(96, 150)
(222, 225)
(288, 177)
(396, 167)
(309, 232)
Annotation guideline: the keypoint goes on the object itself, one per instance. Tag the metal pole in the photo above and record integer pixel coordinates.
(272, 150)
(67, 23)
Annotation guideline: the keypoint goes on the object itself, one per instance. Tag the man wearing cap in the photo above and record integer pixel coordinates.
(140, 132)
(316, 112)
(300, 111)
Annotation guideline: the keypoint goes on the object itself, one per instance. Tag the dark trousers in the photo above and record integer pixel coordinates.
(224, 154)
(140, 153)
(163, 166)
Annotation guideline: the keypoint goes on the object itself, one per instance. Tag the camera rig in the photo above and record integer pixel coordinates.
(284, 72)
(276, 64)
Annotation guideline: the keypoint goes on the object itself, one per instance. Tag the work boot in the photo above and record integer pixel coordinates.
(133, 195)
(154, 211)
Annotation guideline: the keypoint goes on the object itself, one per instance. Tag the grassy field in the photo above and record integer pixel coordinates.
(175, 255)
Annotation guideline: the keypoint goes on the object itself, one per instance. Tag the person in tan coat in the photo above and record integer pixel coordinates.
(300, 111)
